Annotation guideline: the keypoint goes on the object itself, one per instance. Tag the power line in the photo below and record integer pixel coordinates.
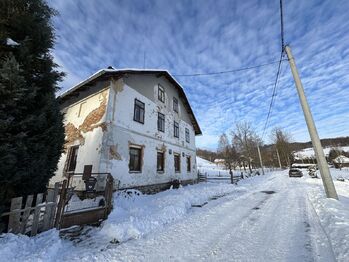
(227, 71)
(273, 94)
(279, 67)
(282, 27)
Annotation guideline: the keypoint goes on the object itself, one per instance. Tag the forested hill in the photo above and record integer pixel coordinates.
(326, 142)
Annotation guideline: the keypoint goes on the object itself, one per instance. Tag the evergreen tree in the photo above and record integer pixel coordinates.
(31, 128)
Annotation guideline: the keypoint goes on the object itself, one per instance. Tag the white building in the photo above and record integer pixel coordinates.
(135, 124)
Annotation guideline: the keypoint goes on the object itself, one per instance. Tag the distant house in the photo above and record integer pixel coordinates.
(135, 124)
(219, 162)
(341, 161)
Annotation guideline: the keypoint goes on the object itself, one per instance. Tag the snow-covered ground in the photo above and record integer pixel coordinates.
(210, 169)
(309, 152)
(264, 218)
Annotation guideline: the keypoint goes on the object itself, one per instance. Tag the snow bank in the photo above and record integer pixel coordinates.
(333, 214)
(46, 246)
(137, 215)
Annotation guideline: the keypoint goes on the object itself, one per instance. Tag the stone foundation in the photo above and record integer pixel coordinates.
(156, 188)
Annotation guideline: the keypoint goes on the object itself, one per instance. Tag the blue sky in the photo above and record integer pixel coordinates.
(190, 36)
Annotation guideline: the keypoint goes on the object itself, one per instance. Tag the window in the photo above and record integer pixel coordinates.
(187, 137)
(175, 129)
(177, 163)
(73, 155)
(175, 104)
(135, 159)
(161, 93)
(139, 111)
(161, 122)
(188, 164)
(160, 161)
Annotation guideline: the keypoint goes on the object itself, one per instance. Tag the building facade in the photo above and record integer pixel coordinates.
(135, 124)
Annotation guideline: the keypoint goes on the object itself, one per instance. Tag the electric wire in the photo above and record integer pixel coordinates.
(278, 70)
(227, 71)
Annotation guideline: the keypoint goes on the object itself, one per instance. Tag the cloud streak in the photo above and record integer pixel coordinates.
(204, 36)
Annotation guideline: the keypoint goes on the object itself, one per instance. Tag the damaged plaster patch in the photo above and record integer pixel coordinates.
(72, 134)
(95, 116)
(113, 152)
(90, 122)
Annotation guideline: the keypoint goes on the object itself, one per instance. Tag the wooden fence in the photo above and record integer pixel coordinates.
(33, 219)
(49, 210)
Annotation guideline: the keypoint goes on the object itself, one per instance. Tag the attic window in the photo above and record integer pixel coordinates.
(161, 93)
(175, 104)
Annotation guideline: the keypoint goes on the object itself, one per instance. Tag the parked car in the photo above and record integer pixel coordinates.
(294, 172)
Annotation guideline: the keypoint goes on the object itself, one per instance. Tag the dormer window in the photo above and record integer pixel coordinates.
(161, 93)
(175, 105)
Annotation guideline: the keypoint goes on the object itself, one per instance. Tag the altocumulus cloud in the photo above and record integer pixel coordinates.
(206, 36)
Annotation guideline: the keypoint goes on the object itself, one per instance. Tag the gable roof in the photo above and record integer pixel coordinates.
(104, 74)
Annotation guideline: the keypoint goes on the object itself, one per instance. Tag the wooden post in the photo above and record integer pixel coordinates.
(108, 194)
(36, 217)
(14, 225)
(61, 204)
(51, 203)
(26, 213)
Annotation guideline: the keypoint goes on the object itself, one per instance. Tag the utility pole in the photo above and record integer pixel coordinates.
(319, 153)
(277, 153)
(260, 159)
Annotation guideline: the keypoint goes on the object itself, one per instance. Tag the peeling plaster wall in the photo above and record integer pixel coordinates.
(123, 131)
(84, 121)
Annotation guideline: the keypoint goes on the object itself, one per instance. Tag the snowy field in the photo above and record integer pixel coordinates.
(309, 152)
(263, 218)
(210, 169)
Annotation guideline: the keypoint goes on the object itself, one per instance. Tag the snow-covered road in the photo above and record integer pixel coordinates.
(273, 222)
(264, 218)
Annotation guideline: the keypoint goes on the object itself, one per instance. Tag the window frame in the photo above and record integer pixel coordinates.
(175, 104)
(178, 156)
(72, 159)
(175, 128)
(188, 163)
(161, 116)
(139, 104)
(140, 160)
(161, 93)
(162, 153)
(187, 135)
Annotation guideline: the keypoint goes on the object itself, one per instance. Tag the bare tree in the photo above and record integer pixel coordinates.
(246, 140)
(227, 151)
(282, 140)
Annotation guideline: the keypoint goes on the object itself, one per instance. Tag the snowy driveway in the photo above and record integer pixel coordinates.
(257, 226)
